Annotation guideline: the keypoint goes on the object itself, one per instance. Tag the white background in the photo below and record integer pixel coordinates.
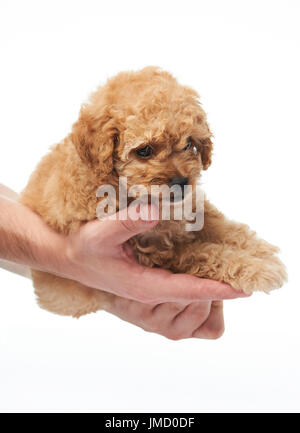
(243, 58)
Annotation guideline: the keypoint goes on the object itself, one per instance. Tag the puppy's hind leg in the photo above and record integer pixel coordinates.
(67, 297)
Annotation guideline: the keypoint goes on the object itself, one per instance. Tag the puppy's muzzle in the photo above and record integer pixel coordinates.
(177, 186)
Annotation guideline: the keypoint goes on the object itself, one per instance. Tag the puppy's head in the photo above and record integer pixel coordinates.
(146, 127)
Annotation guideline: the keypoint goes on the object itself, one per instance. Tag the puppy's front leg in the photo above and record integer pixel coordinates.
(231, 252)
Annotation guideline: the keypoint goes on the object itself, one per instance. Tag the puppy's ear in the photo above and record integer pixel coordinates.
(93, 137)
(206, 152)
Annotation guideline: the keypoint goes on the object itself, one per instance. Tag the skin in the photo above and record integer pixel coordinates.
(174, 305)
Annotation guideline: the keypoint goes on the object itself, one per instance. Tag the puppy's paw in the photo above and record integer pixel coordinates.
(256, 274)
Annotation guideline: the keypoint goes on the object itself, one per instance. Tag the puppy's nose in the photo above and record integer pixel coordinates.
(181, 181)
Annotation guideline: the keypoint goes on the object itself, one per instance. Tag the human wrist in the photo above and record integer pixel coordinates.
(51, 254)
(26, 239)
(72, 262)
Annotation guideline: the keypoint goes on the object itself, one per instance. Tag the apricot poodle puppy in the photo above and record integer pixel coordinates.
(146, 127)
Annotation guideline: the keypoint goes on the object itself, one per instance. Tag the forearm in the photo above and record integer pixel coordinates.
(26, 239)
(8, 193)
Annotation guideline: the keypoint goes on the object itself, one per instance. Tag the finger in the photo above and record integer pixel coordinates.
(131, 311)
(159, 285)
(173, 308)
(213, 327)
(166, 312)
(192, 317)
(118, 228)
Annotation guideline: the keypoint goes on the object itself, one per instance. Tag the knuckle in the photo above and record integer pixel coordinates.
(147, 328)
(175, 335)
(201, 312)
(171, 337)
(176, 308)
(147, 317)
(155, 325)
(216, 333)
(154, 328)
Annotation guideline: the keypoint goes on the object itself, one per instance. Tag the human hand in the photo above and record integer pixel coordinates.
(176, 321)
(99, 257)
(174, 305)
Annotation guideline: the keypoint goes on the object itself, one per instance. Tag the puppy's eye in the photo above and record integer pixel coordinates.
(144, 152)
(189, 143)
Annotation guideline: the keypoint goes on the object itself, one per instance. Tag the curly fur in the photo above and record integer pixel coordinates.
(133, 109)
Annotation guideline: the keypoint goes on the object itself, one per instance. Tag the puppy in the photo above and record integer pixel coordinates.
(145, 127)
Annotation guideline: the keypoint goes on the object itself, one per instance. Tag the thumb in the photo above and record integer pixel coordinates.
(123, 225)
